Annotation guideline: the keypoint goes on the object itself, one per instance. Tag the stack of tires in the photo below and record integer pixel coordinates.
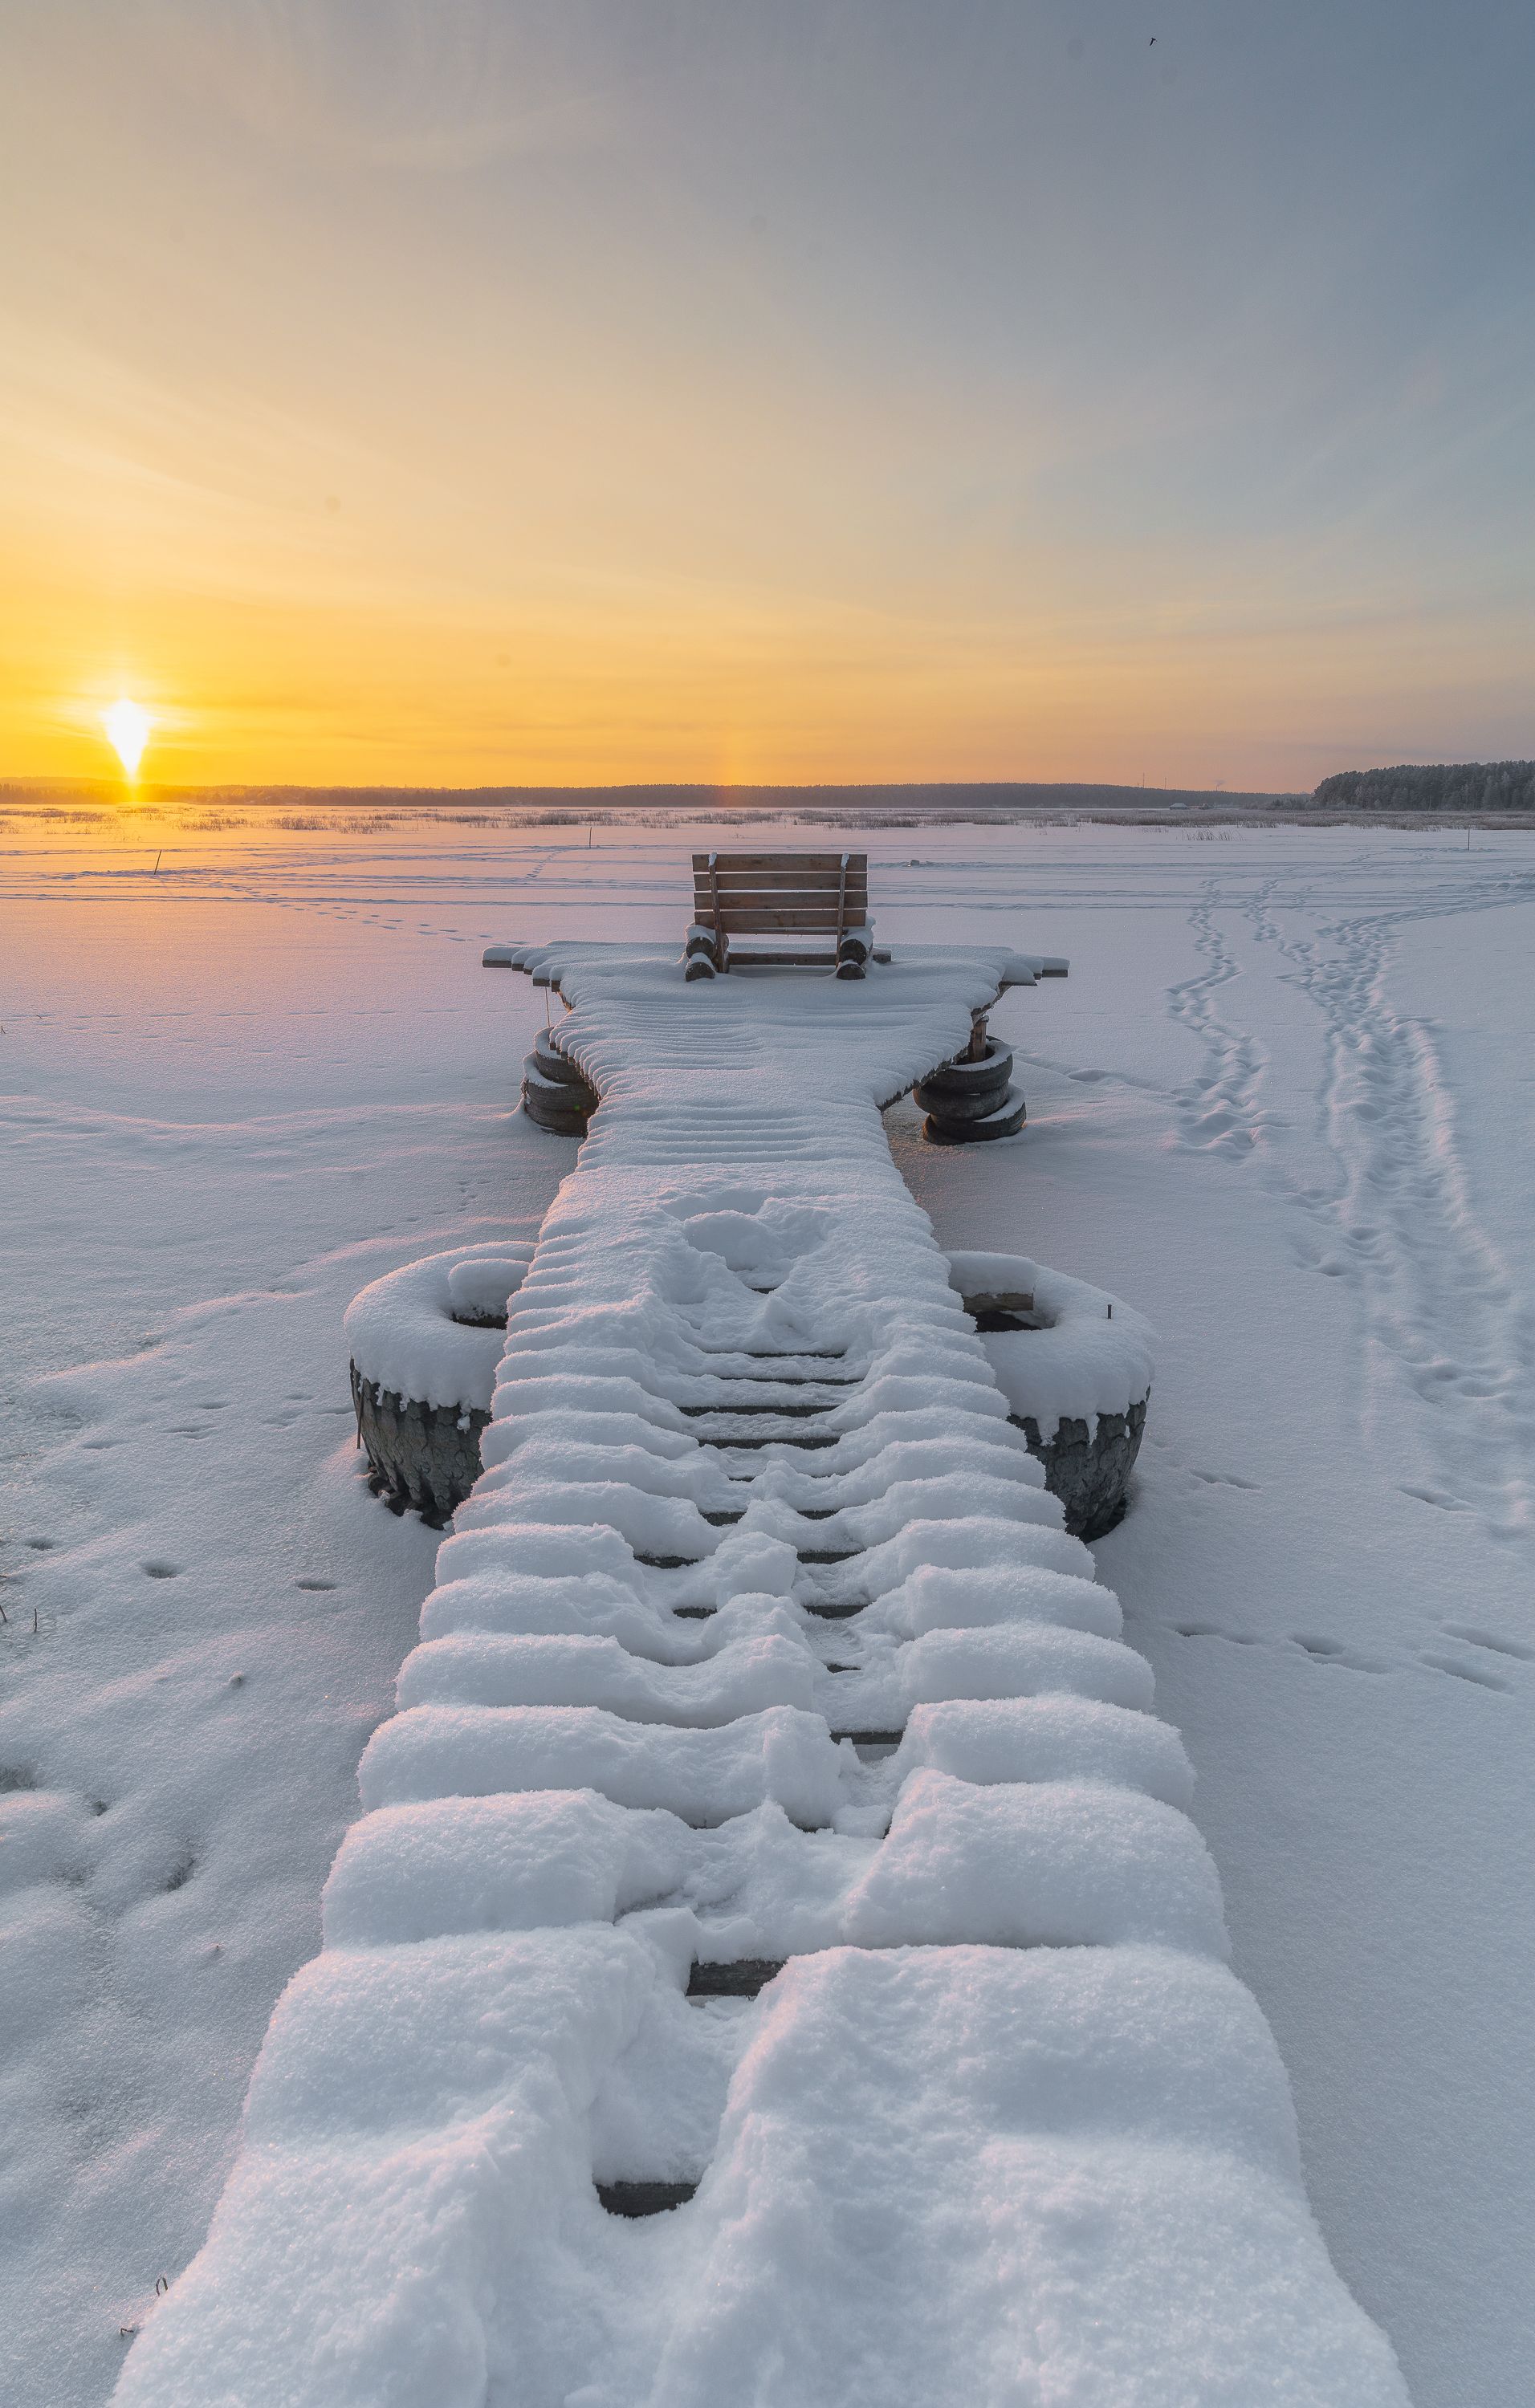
(554, 1092)
(700, 951)
(967, 1101)
(853, 946)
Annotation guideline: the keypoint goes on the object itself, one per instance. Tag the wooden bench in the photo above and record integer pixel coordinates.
(783, 895)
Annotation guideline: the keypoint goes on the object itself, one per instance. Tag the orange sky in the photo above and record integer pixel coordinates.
(440, 396)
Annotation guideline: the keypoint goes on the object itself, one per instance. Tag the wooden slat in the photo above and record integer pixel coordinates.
(793, 959)
(750, 897)
(823, 883)
(760, 861)
(788, 882)
(705, 906)
(807, 919)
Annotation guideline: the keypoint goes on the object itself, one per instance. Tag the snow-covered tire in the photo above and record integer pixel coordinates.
(563, 1109)
(554, 1065)
(1087, 1465)
(418, 1454)
(435, 1327)
(1006, 1119)
(960, 1091)
(1075, 1365)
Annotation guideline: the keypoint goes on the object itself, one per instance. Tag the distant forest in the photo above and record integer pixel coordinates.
(1460, 786)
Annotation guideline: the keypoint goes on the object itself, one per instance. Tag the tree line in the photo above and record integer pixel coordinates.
(1459, 786)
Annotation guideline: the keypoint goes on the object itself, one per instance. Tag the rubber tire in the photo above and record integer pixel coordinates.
(561, 1094)
(967, 1091)
(959, 1079)
(698, 966)
(554, 1066)
(972, 1103)
(560, 1119)
(1003, 1123)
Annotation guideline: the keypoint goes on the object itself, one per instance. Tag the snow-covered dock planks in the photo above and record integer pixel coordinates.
(929, 2030)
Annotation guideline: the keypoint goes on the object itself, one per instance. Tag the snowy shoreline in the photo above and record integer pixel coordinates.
(234, 1125)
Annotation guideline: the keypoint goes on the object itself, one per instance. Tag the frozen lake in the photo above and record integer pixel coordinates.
(1285, 1105)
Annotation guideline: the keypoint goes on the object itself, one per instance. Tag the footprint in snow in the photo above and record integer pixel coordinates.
(1333, 1651)
(1439, 1497)
(1320, 1650)
(1488, 1638)
(157, 1568)
(1474, 1673)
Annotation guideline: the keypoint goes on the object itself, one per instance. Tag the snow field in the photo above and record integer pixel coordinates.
(1004, 2126)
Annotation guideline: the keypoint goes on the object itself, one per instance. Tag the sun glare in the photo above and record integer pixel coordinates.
(127, 724)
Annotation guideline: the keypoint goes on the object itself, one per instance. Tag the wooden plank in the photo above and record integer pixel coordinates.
(789, 889)
(773, 898)
(804, 921)
(760, 861)
(789, 882)
(794, 960)
(794, 914)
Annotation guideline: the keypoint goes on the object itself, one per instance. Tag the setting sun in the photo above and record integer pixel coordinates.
(127, 724)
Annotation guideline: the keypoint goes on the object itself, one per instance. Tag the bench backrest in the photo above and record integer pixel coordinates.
(787, 893)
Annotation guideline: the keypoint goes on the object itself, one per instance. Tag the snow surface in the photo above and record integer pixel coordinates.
(1282, 1105)
(734, 1224)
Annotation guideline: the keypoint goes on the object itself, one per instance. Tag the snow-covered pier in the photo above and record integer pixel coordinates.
(774, 1827)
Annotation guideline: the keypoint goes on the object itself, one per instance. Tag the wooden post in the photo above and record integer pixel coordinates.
(978, 1037)
(720, 961)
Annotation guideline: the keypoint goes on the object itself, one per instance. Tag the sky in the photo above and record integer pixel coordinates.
(482, 392)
